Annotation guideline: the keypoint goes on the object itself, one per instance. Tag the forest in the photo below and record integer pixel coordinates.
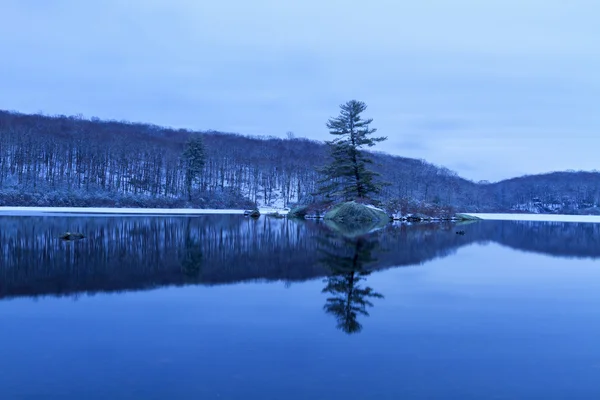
(72, 161)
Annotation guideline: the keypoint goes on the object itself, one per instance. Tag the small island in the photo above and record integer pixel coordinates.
(348, 192)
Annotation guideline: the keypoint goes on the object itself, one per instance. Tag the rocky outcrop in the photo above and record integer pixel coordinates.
(252, 213)
(69, 236)
(353, 212)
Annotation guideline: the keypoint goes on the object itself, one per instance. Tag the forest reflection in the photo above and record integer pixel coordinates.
(136, 253)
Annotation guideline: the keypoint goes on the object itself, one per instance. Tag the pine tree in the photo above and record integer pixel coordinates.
(195, 157)
(347, 175)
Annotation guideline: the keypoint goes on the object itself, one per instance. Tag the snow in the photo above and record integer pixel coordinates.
(538, 217)
(371, 206)
(263, 210)
(126, 211)
(277, 203)
(107, 210)
(270, 210)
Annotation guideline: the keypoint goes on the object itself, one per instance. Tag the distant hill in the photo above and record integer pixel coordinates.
(71, 161)
(556, 192)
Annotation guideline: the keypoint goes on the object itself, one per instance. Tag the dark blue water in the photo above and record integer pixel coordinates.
(231, 308)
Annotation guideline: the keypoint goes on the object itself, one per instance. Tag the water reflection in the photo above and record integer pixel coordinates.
(137, 253)
(191, 261)
(348, 259)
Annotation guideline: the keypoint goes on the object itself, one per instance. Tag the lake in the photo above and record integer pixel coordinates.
(226, 307)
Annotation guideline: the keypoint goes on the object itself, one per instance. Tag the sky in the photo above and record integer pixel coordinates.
(490, 89)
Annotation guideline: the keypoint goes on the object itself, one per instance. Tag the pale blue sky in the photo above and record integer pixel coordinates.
(490, 89)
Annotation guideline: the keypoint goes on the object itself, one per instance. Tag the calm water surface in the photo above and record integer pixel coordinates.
(222, 307)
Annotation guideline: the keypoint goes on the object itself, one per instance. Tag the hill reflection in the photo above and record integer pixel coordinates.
(135, 253)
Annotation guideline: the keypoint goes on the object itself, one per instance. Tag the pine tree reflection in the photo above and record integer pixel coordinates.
(348, 259)
(191, 262)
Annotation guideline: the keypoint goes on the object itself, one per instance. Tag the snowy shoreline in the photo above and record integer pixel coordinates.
(125, 211)
(537, 217)
(99, 211)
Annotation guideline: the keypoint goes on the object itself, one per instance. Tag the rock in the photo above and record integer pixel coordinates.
(355, 213)
(314, 215)
(72, 236)
(353, 219)
(298, 212)
(418, 217)
(313, 211)
(252, 213)
(276, 215)
(465, 217)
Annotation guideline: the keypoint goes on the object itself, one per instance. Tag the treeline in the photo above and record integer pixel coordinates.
(71, 161)
(64, 160)
(568, 192)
